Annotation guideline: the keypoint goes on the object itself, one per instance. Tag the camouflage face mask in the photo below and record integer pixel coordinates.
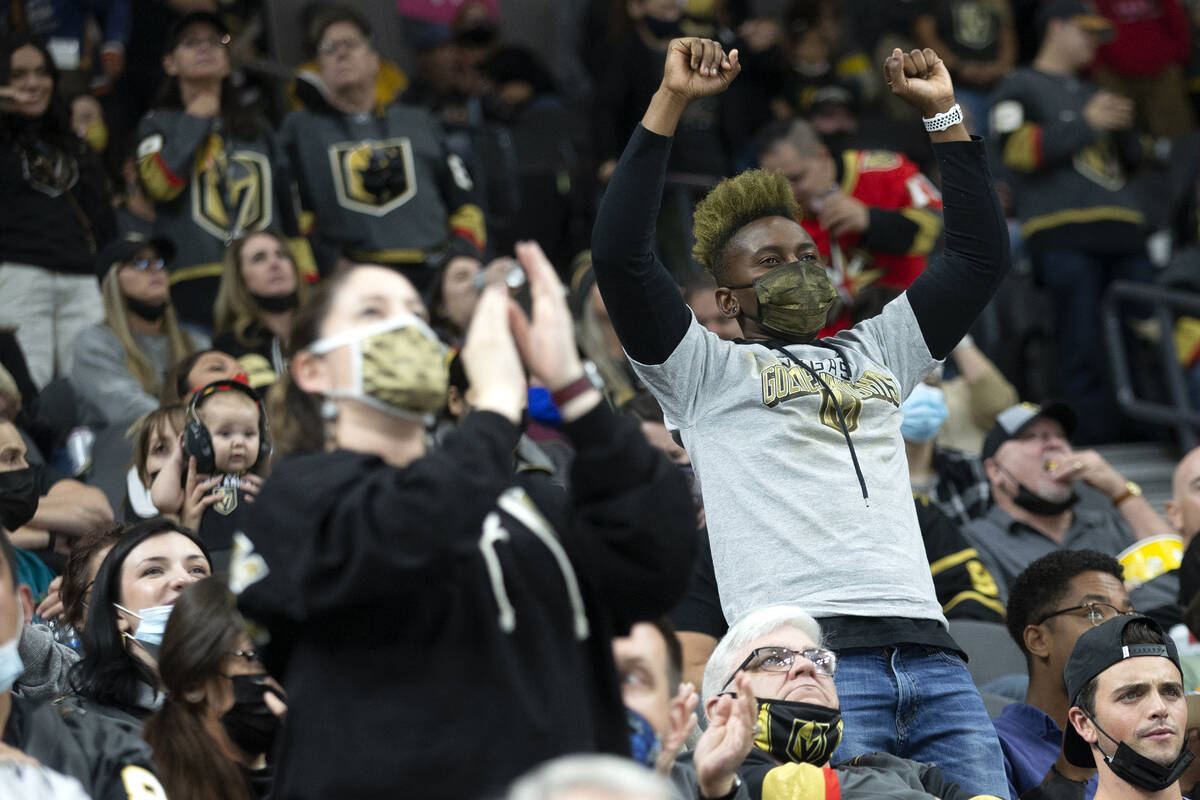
(397, 366)
(793, 300)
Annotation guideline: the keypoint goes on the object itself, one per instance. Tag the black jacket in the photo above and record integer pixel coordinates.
(111, 762)
(55, 211)
(438, 629)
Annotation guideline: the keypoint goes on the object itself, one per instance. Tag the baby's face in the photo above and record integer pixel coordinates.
(232, 421)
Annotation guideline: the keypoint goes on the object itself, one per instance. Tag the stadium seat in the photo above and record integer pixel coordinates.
(990, 651)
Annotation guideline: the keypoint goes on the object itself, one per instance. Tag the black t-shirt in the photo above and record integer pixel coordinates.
(700, 609)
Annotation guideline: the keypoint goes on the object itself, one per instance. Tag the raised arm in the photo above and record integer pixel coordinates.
(647, 311)
(952, 291)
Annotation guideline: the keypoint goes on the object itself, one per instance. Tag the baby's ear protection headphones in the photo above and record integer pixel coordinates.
(198, 441)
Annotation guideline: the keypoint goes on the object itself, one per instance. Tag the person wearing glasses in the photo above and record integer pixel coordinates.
(216, 728)
(780, 652)
(1035, 479)
(207, 161)
(379, 179)
(1054, 600)
(119, 363)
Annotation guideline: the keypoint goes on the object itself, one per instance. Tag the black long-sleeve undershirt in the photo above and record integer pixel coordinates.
(649, 314)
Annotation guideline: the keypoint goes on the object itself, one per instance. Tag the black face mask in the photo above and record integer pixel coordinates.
(661, 28)
(802, 733)
(147, 311)
(276, 304)
(1036, 504)
(18, 497)
(1145, 773)
(250, 724)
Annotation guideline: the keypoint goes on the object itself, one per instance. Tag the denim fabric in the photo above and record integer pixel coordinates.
(919, 703)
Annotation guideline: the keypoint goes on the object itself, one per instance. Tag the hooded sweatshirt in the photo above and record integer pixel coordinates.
(460, 621)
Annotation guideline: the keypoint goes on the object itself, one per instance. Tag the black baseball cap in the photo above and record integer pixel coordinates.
(1095, 651)
(125, 247)
(181, 24)
(1081, 12)
(1014, 419)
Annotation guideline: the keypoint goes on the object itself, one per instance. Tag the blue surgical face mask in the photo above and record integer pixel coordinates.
(644, 746)
(11, 665)
(153, 623)
(924, 412)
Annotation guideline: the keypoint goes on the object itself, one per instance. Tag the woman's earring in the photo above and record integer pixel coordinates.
(329, 410)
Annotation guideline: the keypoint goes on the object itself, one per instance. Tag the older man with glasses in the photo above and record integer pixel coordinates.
(779, 650)
(1054, 601)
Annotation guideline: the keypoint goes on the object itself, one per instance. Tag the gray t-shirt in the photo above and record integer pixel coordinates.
(107, 391)
(786, 516)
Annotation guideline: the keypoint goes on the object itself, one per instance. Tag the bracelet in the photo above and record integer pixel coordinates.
(566, 394)
(944, 120)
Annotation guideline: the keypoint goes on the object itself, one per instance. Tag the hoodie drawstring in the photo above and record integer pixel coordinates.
(837, 407)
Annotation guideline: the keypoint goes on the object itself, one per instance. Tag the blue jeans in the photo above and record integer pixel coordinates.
(919, 703)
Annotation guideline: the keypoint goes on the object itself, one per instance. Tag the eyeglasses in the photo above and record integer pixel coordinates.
(780, 659)
(196, 42)
(143, 264)
(1096, 612)
(350, 45)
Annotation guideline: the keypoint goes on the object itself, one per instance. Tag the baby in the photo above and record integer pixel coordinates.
(208, 483)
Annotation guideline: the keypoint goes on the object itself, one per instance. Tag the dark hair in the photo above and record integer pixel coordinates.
(1043, 585)
(176, 389)
(74, 589)
(674, 654)
(436, 293)
(331, 15)
(237, 118)
(201, 632)
(1136, 632)
(108, 673)
(10, 558)
(54, 126)
(296, 414)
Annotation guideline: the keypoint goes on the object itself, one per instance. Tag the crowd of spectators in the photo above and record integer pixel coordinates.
(692, 411)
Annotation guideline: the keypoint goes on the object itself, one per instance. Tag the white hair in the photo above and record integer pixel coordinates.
(615, 776)
(728, 652)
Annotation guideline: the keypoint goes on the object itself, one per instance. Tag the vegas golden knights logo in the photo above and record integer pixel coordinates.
(373, 176)
(804, 741)
(781, 383)
(228, 501)
(1099, 163)
(233, 191)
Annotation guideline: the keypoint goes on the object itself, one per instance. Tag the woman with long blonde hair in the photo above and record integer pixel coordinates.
(261, 288)
(119, 363)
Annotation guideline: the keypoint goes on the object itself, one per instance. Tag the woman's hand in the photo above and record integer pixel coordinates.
(251, 484)
(490, 357)
(51, 606)
(547, 342)
(196, 498)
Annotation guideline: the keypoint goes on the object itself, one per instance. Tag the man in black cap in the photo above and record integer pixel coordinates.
(1128, 716)
(1033, 473)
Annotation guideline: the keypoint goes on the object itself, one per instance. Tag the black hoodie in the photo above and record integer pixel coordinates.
(438, 630)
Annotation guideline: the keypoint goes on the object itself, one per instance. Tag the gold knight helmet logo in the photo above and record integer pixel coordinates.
(787, 736)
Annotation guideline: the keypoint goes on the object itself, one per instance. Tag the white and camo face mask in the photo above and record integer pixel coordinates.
(398, 366)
